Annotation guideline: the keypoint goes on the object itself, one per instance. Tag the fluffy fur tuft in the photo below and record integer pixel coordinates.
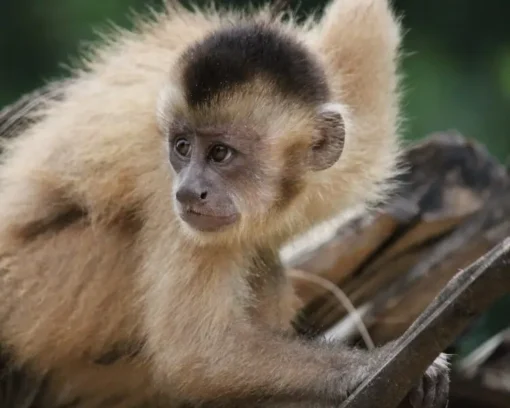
(93, 255)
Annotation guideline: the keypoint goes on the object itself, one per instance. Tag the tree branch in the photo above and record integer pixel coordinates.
(466, 296)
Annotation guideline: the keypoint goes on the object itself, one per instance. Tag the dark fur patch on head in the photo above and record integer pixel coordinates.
(235, 55)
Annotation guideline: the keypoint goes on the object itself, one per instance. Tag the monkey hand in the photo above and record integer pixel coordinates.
(432, 390)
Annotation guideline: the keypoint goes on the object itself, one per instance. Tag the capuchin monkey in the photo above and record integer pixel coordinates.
(142, 212)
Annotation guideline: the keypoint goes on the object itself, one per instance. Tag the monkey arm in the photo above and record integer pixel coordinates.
(205, 347)
(246, 364)
(256, 365)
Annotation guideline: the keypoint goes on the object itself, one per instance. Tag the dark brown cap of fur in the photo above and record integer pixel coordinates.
(236, 55)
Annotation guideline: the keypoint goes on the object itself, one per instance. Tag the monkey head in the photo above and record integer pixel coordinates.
(248, 121)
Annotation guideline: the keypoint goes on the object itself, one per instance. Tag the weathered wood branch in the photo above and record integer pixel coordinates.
(466, 296)
(453, 207)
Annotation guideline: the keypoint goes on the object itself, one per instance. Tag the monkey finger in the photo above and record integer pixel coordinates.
(416, 395)
(442, 391)
(434, 386)
(430, 389)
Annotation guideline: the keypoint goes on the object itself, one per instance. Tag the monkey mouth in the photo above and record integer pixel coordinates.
(207, 222)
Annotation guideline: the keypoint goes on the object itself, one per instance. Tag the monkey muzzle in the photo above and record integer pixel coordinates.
(206, 222)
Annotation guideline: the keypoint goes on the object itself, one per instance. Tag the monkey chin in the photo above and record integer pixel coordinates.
(208, 223)
(227, 235)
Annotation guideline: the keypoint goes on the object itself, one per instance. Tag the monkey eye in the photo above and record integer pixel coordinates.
(182, 147)
(220, 153)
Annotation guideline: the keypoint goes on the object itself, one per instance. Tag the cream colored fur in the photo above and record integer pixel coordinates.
(129, 270)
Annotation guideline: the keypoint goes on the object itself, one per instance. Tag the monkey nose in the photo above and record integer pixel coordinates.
(188, 196)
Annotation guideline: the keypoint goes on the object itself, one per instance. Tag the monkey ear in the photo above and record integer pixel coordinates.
(329, 139)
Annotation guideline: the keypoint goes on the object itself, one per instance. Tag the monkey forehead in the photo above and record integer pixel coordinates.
(234, 56)
(254, 113)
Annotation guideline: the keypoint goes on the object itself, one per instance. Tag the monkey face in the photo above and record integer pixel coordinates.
(212, 165)
(245, 132)
(232, 175)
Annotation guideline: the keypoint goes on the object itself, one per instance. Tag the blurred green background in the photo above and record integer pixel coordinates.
(457, 69)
